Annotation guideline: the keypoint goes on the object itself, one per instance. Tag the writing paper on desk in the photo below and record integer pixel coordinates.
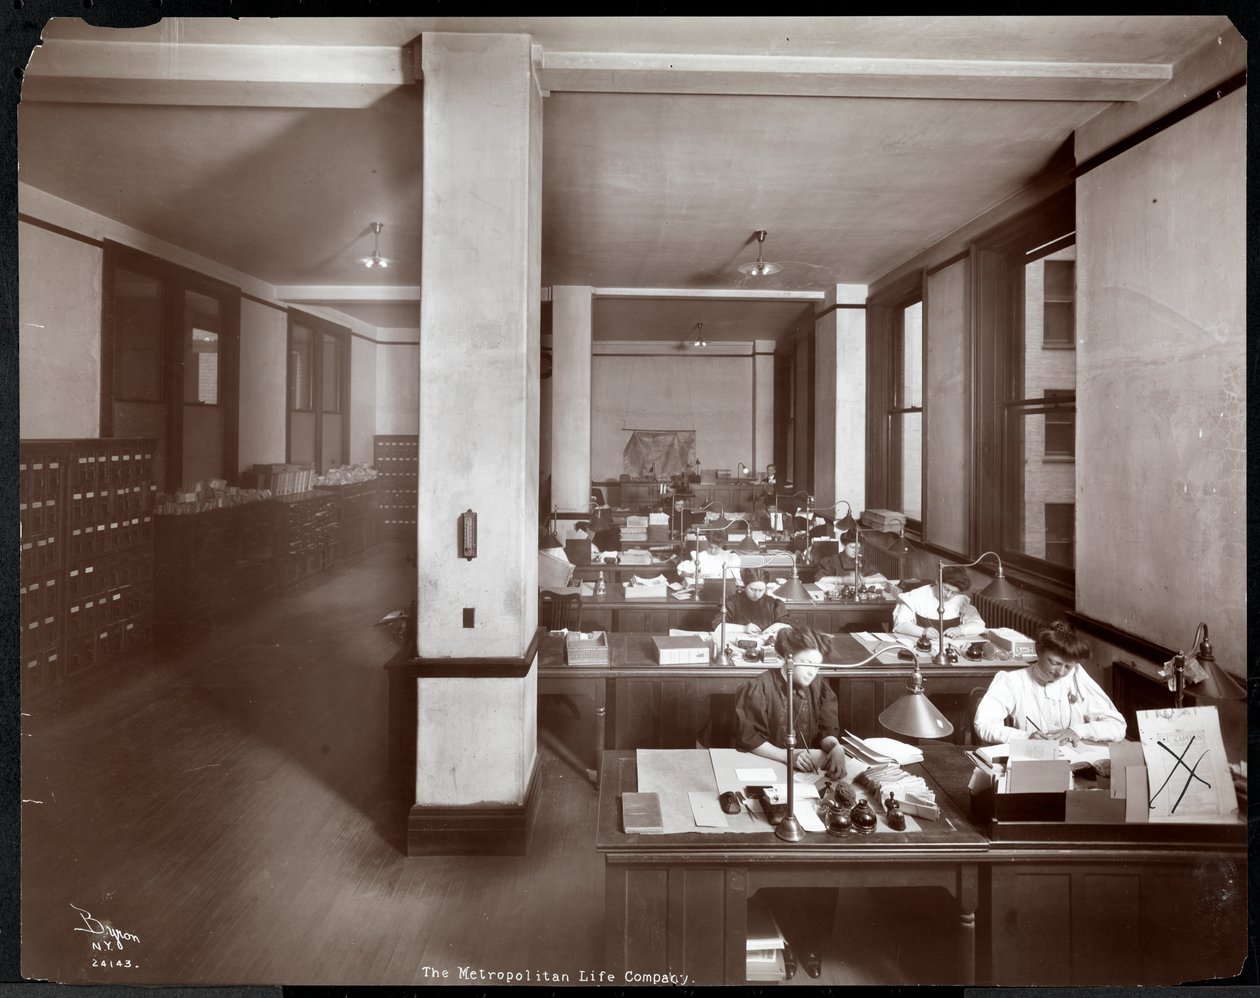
(1034, 748)
(755, 777)
(706, 809)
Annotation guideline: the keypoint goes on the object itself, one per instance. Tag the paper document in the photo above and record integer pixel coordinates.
(1034, 748)
(706, 809)
(755, 777)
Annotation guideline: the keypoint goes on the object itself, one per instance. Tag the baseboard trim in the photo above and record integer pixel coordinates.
(475, 829)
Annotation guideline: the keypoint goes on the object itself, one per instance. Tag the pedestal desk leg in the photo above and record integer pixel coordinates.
(600, 717)
(968, 899)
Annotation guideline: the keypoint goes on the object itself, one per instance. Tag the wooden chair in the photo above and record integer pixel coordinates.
(557, 611)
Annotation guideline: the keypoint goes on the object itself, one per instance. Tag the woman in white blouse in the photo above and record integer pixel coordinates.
(1053, 699)
(917, 612)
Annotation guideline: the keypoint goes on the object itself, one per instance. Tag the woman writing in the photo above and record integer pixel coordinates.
(750, 606)
(1053, 699)
(761, 709)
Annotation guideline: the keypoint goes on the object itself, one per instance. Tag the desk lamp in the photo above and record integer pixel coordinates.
(998, 589)
(789, 829)
(721, 658)
(747, 545)
(792, 589)
(1215, 684)
(914, 715)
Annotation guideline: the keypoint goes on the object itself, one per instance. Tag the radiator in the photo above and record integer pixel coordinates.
(1005, 613)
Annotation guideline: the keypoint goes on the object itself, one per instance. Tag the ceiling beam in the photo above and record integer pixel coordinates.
(190, 73)
(816, 76)
(348, 292)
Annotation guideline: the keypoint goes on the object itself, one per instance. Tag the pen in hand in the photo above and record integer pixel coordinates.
(1034, 725)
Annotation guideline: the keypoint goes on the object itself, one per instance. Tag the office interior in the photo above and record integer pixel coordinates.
(1010, 304)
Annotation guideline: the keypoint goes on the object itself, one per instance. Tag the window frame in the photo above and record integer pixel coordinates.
(886, 408)
(999, 339)
(174, 282)
(323, 330)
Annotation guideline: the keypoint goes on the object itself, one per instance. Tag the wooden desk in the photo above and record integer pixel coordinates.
(640, 704)
(678, 904)
(1038, 903)
(613, 612)
(1084, 904)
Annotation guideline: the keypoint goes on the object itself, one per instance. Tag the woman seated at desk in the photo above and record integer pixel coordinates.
(1053, 699)
(761, 708)
(916, 612)
(710, 564)
(844, 561)
(750, 605)
(804, 914)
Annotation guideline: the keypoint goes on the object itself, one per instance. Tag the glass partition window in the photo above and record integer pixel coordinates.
(317, 430)
(170, 349)
(137, 334)
(201, 349)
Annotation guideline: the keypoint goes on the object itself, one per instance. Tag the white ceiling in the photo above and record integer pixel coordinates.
(726, 132)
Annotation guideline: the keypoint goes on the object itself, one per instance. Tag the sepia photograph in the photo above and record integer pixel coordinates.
(620, 501)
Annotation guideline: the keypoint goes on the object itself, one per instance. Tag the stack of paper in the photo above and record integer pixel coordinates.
(912, 792)
(765, 943)
(880, 751)
(635, 556)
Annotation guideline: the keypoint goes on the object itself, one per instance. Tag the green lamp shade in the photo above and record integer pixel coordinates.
(793, 591)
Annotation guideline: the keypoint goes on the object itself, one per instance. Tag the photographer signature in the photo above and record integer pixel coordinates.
(114, 937)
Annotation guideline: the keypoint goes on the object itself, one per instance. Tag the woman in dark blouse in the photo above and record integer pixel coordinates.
(751, 605)
(805, 914)
(761, 709)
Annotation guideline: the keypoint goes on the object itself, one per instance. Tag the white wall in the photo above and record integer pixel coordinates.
(59, 345)
(363, 373)
(711, 394)
(1162, 385)
(397, 388)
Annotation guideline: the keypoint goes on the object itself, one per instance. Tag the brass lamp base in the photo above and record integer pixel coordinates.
(789, 829)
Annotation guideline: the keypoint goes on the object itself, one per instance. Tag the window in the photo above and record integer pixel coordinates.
(895, 400)
(1060, 425)
(1060, 533)
(1058, 300)
(906, 414)
(169, 370)
(318, 425)
(1025, 388)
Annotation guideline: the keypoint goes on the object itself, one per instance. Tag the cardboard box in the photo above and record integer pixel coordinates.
(683, 650)
(1010, 640)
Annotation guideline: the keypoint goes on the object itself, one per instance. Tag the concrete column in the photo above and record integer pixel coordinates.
(476, 686)
(840, 399)
(570, 400)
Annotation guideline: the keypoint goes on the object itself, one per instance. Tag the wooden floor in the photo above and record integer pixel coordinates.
(230, 809)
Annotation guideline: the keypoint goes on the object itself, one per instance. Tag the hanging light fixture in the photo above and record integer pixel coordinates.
(759, 268)
(699, 342)
(375, 260)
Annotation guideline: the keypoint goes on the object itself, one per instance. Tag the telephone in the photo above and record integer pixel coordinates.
(468, 534)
